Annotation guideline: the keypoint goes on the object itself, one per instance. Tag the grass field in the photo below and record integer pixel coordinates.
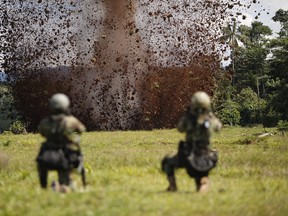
(124, 176)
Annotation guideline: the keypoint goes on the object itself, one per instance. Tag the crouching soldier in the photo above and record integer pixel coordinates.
(194, 154)
(61, 150)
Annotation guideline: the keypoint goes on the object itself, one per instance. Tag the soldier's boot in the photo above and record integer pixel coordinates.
(55, 186)
(64, 181)
(202, 184)
(60, 188)
(172, 184)
(64, 189)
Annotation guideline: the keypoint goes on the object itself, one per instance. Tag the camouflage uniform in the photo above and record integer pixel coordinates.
(61, 148)
(194, 154)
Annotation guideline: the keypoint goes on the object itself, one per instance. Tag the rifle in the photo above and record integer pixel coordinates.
(81, 168)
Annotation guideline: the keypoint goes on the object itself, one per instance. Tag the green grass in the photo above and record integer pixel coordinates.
(124, 176)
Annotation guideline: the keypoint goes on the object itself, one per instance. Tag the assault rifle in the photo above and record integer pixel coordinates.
(81, 170)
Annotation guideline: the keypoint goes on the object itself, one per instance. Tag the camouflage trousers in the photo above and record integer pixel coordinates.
(53, 159)
(180, 160)
(63, 176)
(169, 164)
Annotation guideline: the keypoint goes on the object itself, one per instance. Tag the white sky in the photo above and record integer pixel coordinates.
(270, 6)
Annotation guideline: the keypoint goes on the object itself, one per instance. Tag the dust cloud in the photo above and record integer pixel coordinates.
(125, 64)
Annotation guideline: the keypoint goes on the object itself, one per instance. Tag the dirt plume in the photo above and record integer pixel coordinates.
(109, 57)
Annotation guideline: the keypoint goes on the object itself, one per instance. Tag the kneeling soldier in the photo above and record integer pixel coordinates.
(194, 154)
(61, 150)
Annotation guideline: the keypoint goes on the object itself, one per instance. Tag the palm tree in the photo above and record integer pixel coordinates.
(231, 37)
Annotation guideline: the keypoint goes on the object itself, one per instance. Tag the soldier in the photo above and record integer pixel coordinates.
(194, 154)
(61, 150)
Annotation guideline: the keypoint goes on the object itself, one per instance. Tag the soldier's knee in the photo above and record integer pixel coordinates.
(165, 163)
(167, 166)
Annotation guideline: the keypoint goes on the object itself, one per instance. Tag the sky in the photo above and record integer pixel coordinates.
(270, 6)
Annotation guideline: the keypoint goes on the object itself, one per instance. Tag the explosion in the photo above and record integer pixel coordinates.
(125, 64)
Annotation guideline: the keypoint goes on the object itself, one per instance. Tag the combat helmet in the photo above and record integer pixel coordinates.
(59, 103)
(200, 100)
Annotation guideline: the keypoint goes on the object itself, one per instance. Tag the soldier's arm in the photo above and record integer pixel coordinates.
(215, 123)
(182, 125)
(73, 129)
(74, 124)
(80, 128)
(43, 127)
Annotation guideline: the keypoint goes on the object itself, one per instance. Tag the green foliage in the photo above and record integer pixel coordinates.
(229, 113)
(282, 125)
(223, 90)
(250, 68)
(248, 99)
(8, 113)
(230, 34)
(279, 62)
(279, 74)
(260, 83)
(18, 127)
(278, 71)
(270, 117)
(282, 17)
(224, 107)
(125, 177)
(258, 31)
(253, 35)
(250, 106)
(244, 34)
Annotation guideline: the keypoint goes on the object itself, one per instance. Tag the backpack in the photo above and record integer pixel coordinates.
(203, 162)
(52, 159)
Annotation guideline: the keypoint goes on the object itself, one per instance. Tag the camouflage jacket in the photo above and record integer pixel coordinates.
(198, 129)
(61, 131)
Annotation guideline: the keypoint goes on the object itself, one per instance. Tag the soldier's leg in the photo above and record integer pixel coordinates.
(64, 177)
(43, 175)
(202, 184)
(168, 166)
(64, 180)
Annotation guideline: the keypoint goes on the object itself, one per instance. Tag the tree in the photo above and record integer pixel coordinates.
(255, 34)
(250, 106)
(279, 74)
(258, 32)
(250, 64)
(253, 39)
(229, 114)
(282, 17)
(251, 68)
(231, 36)
(277, 108)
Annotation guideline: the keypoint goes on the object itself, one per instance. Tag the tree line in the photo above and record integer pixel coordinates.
(253, 89)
